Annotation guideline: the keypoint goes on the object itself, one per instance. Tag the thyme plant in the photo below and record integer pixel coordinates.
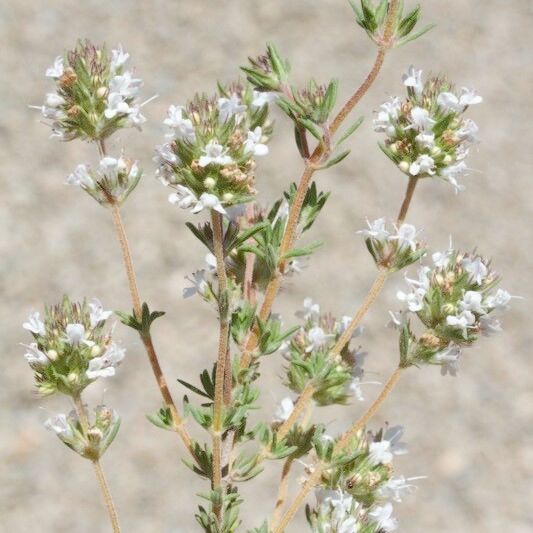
(207, 161)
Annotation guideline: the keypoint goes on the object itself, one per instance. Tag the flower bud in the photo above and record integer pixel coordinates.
(404, 166)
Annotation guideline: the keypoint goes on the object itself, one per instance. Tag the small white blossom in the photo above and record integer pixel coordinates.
(382, 452)
(184, 197)
(420, 119)
(499, 300)
(34, 323)
(214, 153)
(75, 335)
(118, 58)
(260, 98)
(449, 360)
(253, 143)
(396, 487)
(451, 102)
(472, 301)
(116, 105)
(283, 410)
(414, 301)
(181, 128)
(34, 356)
(60, 426)
(56, 70)
(311, 311)
(105, 365)
(406, 236)
(376, 230)
(199, 285)
(462, 321)
(229, 107)
(441, 259)
(81, 177)
(476, 269)
(425, 140)
(413, 78)
(97, 313)
(468, 132)
(124, 85)
(424, 164)
(489, 325)
(317, 338)
(382, 516)
(208, 201)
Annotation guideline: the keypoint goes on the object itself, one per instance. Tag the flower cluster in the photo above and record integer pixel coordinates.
(111, 182)
(356, 495)
(427, 134)
(92, 441)
(70, 347)
(95, 94)
(392, 251)
(212, 143)
(334, 378)
(454, 300)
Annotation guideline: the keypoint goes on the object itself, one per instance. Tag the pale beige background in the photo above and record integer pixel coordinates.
(470, 435)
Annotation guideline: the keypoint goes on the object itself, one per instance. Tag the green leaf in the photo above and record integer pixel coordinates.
(350, 130)
(415, 35)
(336, 159)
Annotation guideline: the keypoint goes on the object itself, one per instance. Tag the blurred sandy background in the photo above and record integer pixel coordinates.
(471, 435)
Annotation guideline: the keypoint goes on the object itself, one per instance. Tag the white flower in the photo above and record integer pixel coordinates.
(395, 487)
(182, 128)
(476, 268)
(472, 301)
(376, 230)
(462, 321)
(228, 107)
(317, 338)
(34, 324)
(451, 102)
(414, 301)
(468, 131)
(441, 259)
(449, 360)
(214, 153)
(56, 70)
(420, 120)
(489, 325)
(253, 143)
(499, 300)
(124, 85)
(382, 452)
(311, 311)
(81, 178)
(184, 197)
(104, 366)
(354, 387)
(423, 165)
(75, 335)
(283, 410)
(413, 78)
(97, 313)
(118, 58)
(164, 154)
(60, 426)
(452, 172)
(54, 100)
(135, 118)
(388, 112)
(116, 105)
(425, 140)
(199, 285)
(208, 201)
(423, 278)
(382, 516)
(260, 98)
(406, 236)
(34, 356)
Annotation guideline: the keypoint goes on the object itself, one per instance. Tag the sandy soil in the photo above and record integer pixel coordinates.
(471, 435)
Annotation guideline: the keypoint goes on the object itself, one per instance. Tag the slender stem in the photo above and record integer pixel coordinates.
(283, 490)
(84, 422)
(370, 298)
(302, 402)
(223, 349)
(370, 412)
(411, 186)
(296, 207)
(107, 496)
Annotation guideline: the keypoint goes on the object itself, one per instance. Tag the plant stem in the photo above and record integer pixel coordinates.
(296, 207)
(84, 422)
(282, 490)
(223, 350)
(411, 186)
(302, 402)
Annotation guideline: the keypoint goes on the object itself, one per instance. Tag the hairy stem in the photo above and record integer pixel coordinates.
(411, 186)
(302, 402)
(223, 350)
(283, 490)
(104, 488)
(289, 235)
